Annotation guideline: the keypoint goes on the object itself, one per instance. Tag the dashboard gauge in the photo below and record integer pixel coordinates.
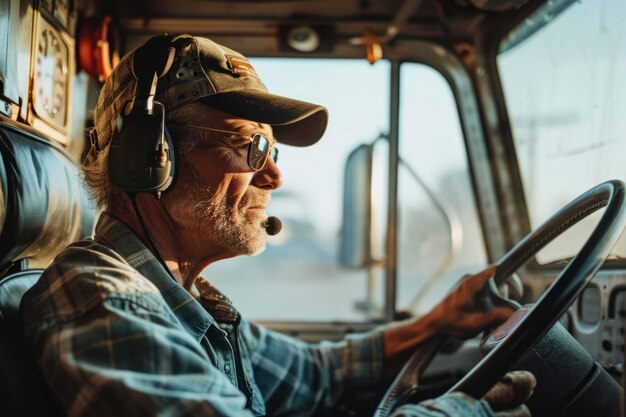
(50, 76)
(590, 305)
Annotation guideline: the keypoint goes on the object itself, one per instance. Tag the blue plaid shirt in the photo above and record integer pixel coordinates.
(116, 335)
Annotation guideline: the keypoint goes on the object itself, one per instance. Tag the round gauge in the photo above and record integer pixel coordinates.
(50, 79)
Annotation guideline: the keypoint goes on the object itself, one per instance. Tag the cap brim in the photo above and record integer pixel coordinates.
(294, 122)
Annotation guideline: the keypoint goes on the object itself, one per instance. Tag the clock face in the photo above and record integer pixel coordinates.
(50, 82)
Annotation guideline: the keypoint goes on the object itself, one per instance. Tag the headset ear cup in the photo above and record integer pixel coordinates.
(141, 154)
(139, 160)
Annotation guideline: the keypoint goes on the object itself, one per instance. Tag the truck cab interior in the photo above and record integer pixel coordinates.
(461, 133)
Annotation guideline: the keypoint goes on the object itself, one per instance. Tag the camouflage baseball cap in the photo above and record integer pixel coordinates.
(220, 77)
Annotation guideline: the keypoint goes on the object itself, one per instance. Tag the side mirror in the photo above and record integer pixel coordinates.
(356, 232)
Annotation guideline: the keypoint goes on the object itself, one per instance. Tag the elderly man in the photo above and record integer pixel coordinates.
(124, 324)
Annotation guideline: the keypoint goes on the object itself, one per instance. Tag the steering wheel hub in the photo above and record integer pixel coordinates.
(504, 329)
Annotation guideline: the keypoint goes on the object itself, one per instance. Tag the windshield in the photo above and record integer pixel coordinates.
(562, 71)
(299, 276)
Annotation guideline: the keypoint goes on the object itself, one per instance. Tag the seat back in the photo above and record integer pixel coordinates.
(43, 208)
(23, 391)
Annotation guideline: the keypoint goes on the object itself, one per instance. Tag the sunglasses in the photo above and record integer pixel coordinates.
(259, 148)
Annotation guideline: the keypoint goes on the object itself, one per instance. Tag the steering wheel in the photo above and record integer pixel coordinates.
(540, 318)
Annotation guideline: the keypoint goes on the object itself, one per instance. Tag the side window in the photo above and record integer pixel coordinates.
(439, 232)
(299, 277)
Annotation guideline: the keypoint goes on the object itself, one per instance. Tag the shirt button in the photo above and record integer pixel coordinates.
(227, 368)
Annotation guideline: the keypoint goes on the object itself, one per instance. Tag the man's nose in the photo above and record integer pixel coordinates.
(268, 177)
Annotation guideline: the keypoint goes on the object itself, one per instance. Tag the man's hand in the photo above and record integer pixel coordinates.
(508, 396)
(505, 399)
(459, 315)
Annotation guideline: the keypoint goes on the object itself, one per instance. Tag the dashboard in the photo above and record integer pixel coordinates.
(597, 319)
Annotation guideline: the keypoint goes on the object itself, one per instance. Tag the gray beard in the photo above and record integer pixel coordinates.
(204, 214)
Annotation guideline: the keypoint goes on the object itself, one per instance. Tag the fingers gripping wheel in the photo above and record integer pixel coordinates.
(141, 155)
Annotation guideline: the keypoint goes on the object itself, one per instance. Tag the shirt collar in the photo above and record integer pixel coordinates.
(118, 236)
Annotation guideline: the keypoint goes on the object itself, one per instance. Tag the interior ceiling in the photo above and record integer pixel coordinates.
(324, 9)
(255, 25)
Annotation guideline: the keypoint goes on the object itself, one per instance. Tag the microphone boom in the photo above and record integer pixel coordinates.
(272, 225)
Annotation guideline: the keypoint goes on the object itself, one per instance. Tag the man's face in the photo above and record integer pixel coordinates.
(218, 201)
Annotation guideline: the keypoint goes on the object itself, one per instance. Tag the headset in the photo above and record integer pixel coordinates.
(141, 154)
